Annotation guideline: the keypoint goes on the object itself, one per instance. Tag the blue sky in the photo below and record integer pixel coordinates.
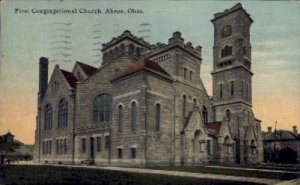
(25, 37)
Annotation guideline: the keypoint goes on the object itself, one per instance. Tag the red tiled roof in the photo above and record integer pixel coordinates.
(70, 77)
(214, 126)
(88, 70)
(144, 64)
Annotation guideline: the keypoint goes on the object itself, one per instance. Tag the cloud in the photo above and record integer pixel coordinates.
(270, 42)
(267, 54)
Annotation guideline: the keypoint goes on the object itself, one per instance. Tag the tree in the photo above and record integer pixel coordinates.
(7, 146)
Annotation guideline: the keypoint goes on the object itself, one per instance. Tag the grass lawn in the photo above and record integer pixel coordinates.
(245, 173)
(44, 175)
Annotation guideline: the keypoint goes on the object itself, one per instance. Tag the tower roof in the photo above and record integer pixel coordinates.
(144, 64)
(235, 8)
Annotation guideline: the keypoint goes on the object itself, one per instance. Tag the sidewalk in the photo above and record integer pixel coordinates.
(253, 169)
(180, 174)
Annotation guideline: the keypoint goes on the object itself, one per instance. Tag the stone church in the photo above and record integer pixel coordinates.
(146, 104)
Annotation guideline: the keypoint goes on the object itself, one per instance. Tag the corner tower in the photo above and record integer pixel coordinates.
(232, 75)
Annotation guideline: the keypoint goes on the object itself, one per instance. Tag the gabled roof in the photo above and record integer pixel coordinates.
(214, 127)
(70, 77)
(88, 70)
(144, 64)
(281, 135)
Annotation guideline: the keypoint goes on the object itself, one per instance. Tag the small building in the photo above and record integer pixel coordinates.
(282, 146)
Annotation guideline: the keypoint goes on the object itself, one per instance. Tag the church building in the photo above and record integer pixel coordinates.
(146, 104)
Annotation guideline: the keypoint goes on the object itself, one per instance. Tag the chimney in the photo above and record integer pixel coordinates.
(43, 78)
(295, 130)
(269, 129)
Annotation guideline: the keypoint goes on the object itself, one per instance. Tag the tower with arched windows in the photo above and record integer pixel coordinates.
(232, 75)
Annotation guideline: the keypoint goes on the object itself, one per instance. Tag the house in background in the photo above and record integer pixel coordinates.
(282, 146)
(13, 150)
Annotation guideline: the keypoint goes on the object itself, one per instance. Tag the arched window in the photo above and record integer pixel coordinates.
(227, 144)
(138, 52)
(131, 49)
(157, 117)
(133, 115)
(248, 117)
(204, 114)
(232, 88)
(253, 147)
(226, 51)
(195, 103)
(117, 51)
(244, 50)
(221, 90)
(122, 48)
(48, 117)
(183, 106)
(63, 114)
(102, 108)
(228, 115)
(120, 117)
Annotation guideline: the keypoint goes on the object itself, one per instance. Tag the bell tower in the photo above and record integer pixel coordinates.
(232, 75)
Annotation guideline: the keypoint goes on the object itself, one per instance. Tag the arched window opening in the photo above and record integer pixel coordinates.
(133, 115)
(120, 117)
(232, 88)
(195, 103)
(157, 117)
(138, 52)
(253, 147)
(226, 51)
(228, 115)
(122, 48)
(184, 73)
(117, 51)
(248, 117)
(244, 50)
(183, 107)
(221, 90)
(204, 114)
(102, 108)
(48, 117)
(63, 114)
(247, 90)
(227, 145)
(131, 49)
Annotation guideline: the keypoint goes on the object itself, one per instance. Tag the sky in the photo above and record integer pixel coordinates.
(67, 38)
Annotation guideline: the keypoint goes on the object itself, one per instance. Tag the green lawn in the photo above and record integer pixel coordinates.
(44, 175)
(239, 172)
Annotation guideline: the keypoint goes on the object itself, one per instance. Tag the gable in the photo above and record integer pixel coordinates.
(59, 80)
